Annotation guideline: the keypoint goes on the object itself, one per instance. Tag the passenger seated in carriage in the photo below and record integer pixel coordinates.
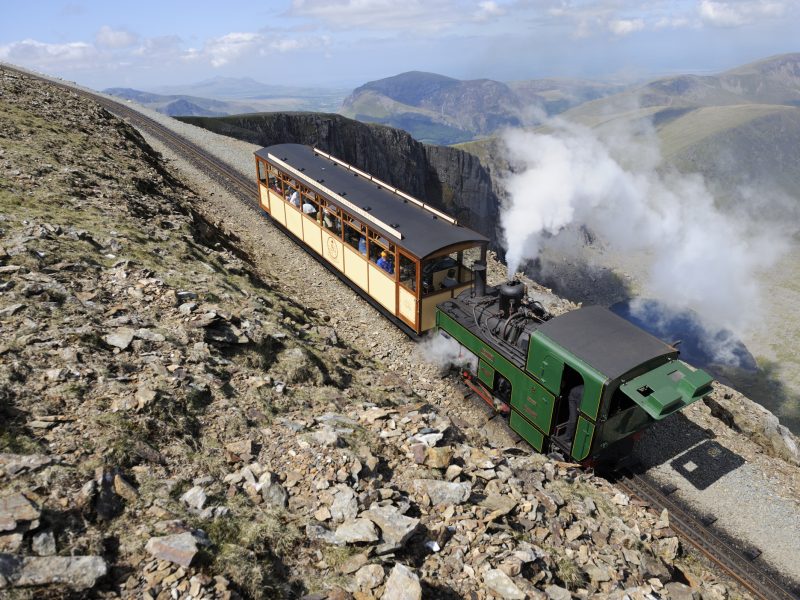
(309, 208)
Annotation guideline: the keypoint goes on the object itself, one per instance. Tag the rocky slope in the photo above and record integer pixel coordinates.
(174, 425)
(445, 177)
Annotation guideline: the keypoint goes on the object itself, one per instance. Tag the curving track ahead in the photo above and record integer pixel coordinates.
(719, 550)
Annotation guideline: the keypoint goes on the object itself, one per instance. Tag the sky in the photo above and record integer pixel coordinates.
(345, 43)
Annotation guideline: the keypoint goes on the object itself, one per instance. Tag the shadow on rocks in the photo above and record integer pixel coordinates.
(438, 592)
(766, 387)
(688, 449)
(579, 281)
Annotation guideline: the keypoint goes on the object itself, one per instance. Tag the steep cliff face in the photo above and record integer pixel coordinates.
(450, 179)
(465, 188)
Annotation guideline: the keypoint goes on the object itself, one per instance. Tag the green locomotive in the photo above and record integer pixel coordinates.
(580, 384)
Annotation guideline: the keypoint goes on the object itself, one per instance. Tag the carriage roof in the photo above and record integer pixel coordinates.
(424, 231)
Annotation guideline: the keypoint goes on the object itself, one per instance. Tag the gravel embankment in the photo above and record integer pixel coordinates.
(753, 496)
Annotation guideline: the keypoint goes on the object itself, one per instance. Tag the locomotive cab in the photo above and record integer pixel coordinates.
(630, 379)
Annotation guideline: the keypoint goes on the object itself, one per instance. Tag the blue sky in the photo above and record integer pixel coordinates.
(343, 43)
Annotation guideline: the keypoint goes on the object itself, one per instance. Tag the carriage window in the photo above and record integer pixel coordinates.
(408, 273)
(292, 195)
(439, 273)
(310, 206)
(381, 252)
(275, 183)
(445, 272)
(470, 255)
(331, 217)
(262, 171)
(355, 234)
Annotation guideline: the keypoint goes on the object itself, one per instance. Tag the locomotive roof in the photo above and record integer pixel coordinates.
(423, 231)
(605, 341)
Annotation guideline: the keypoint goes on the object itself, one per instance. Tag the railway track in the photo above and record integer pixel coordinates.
(717, 548)
(220, 172)
(740, 564)
(240, 186)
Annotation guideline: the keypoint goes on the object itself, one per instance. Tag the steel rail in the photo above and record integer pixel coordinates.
(706, 541)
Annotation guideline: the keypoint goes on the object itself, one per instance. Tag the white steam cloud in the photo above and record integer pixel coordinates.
(446, 353)
(615, 184)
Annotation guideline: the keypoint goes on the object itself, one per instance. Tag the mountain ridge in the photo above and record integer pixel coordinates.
(221, 96)
(442, 110)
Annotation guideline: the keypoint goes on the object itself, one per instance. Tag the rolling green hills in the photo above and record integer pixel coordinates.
(739, 129)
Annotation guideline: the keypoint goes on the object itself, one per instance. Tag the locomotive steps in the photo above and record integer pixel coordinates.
(176, 417)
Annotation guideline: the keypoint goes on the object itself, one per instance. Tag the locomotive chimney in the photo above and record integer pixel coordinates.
(479, 269)
(511, 295)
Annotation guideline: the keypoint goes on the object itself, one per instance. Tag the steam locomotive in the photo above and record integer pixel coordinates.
(583, 384)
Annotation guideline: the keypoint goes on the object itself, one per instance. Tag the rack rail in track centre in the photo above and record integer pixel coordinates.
(714, 546)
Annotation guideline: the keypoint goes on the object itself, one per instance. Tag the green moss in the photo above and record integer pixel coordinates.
(18, 443)
(569, 573)
(251, 544)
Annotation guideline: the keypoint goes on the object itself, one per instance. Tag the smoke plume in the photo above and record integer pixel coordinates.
(615, 185)
(446, 353)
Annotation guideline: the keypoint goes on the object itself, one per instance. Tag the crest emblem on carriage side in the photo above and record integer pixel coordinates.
(333, 248)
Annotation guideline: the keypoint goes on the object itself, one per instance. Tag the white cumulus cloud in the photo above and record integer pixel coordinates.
(231, 46)
(41, 55)
(115, 38)
(735, 13)
(283, 45)
(488, 9)
(625, 26)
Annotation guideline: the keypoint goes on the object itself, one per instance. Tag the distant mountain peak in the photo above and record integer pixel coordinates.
(441, 109)
(768, 65)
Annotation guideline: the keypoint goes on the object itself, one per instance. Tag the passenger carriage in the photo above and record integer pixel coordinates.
(397, 250)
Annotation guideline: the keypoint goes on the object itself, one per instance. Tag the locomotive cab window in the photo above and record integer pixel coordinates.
(620, 402)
